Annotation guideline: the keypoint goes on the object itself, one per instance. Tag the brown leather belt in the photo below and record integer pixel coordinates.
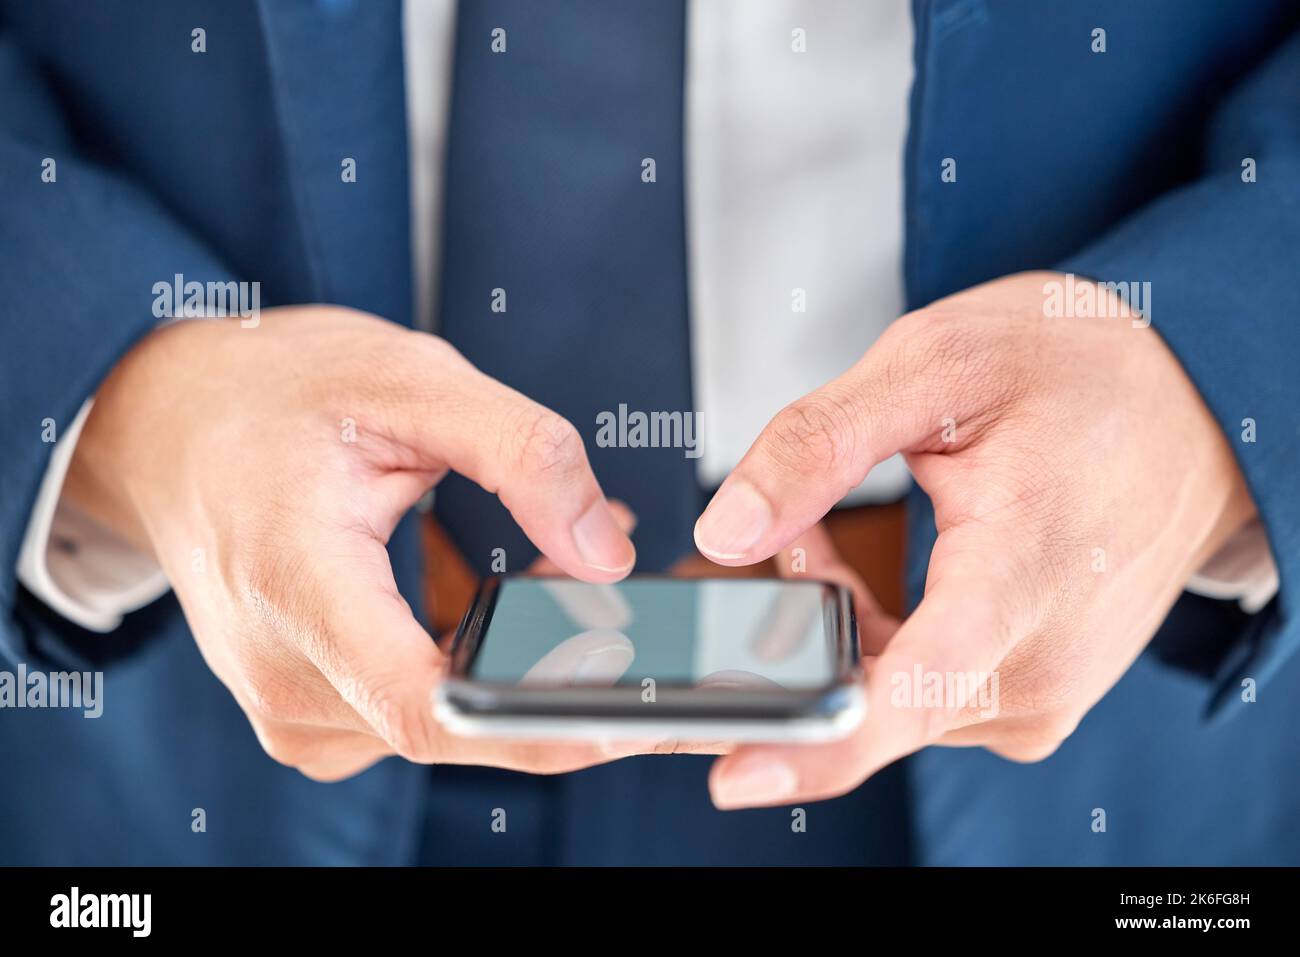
(870, 538)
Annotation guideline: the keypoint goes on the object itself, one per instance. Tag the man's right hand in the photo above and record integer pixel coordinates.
(266, 468)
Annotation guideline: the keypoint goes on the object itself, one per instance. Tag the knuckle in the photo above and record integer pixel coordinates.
(1029, 751)
(1040, 743)
(327, 772)
(547, 443)
(322, 773)
(813, 435)
(438, 349)
(943, 346)
(950, 352)
(1057, 729)
(404, 728)
(280, 748)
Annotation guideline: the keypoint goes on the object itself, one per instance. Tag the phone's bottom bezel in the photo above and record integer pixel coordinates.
(827, 716)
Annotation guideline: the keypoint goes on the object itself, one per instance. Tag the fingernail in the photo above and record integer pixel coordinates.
(735, 519)
(601, 543)
(754, 782)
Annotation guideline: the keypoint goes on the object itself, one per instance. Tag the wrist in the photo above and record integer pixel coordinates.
(108, 474)
(1221, 496)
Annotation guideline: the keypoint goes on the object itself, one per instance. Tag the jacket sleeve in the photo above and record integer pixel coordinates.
(81, 248)
(1222, 256)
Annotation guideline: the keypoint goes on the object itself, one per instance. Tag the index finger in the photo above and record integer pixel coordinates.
(532, 458)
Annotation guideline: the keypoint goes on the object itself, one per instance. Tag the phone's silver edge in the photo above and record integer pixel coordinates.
(806, 730)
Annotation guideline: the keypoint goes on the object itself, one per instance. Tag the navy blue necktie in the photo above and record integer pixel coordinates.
(548, 212)
(545, 200)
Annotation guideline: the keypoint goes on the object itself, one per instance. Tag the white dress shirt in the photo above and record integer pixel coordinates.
(795, 195)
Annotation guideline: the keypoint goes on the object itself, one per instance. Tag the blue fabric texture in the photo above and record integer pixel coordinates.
(1123, 165)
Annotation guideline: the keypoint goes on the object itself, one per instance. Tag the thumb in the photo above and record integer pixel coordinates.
(815, 451)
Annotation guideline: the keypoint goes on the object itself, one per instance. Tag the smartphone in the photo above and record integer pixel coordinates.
(719, 659)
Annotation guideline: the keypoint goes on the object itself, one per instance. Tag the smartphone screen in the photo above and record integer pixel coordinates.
(552, 632)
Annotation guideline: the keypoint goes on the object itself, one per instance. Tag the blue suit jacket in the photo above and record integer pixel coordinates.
(1122, 165)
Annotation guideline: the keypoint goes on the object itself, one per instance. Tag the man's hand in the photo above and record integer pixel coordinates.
(267, 468)
(1078, 480)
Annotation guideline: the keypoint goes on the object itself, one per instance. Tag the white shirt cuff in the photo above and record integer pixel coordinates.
(73, 564)
(1243, 568)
